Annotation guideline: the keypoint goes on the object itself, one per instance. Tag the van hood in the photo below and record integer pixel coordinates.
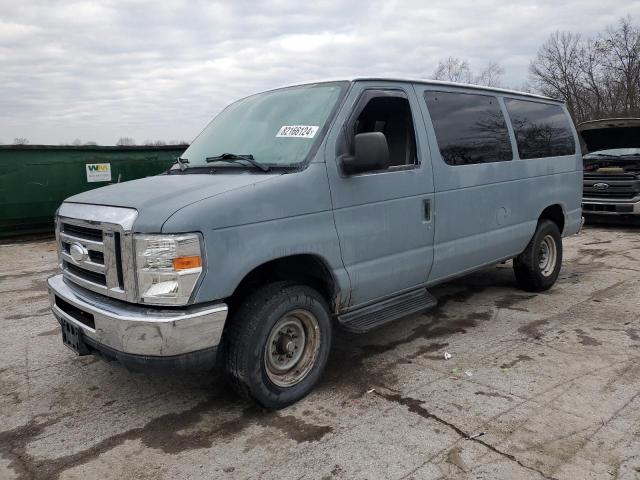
(610, 133)
(157, 198)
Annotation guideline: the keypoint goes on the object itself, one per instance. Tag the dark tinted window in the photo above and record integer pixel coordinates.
(469, 128)
(541, 130)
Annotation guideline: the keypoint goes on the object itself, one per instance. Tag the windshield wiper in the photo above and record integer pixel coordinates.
(182, 162)
(233, 157)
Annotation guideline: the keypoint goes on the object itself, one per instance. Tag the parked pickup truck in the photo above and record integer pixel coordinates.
(611, 168)
(312, 207)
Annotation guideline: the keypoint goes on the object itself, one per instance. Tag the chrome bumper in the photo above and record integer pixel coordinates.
(134, 329)
(596, 207)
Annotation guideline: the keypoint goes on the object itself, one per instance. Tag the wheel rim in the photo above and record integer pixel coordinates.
(292, 348)
(547, 256)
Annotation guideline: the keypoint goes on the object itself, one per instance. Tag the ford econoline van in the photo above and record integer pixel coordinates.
(307, 210)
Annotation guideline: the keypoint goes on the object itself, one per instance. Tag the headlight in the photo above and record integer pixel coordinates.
(168, 267)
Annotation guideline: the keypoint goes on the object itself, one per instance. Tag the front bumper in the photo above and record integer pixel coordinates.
(139, 334)
(602, 207)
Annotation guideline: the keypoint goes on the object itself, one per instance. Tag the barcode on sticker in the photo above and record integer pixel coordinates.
(297, 131)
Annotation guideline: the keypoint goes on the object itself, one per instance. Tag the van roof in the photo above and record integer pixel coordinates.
(431, 82)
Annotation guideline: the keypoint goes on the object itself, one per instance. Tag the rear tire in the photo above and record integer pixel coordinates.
(277, 344)
(537, 268)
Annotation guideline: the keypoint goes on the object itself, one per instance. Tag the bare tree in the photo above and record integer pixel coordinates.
(77, 142)
(622, 61)
(491, 76)
(597, 77)
(454, 69)
(125, 142)
(556, 70)
(20, 141)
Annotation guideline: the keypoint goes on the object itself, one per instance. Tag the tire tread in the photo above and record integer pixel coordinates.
(525, 268)
(244, 324)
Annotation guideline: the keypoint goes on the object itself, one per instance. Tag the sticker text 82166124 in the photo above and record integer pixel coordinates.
(297, 131)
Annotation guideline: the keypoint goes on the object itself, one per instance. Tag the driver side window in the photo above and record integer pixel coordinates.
(387, 113)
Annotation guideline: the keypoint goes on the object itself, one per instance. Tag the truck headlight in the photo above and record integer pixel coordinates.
(168, 267)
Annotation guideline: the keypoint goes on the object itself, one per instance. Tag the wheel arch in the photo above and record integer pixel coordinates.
(556, 214)
(307, 269)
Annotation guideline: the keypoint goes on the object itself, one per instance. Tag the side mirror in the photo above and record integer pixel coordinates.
(371, 153)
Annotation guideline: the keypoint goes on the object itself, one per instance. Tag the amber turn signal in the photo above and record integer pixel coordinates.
(185, 263)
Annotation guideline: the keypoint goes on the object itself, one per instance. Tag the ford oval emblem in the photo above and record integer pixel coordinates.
(78, 252)
(600, 186)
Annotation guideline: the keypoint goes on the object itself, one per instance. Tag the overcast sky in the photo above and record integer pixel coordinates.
(160, 70)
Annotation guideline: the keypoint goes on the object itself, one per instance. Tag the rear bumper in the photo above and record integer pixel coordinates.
(602, 207)
(136, 334)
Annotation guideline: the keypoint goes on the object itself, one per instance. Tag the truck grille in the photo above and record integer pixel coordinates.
(88, 275)
(82, 232)
(95, 246)
(613, 187)
(609, 194)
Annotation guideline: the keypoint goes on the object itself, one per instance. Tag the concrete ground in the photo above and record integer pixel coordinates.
(552, 380)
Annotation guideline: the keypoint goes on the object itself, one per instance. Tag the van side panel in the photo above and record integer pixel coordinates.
(488, 212)
(503, 225)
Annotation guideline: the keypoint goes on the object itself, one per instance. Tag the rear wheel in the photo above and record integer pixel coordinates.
(537, 268)
(278, 343)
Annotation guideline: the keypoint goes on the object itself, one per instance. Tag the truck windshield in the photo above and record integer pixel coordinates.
(277, 128)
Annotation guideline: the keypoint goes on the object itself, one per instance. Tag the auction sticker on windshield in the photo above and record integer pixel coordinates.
(297, 131)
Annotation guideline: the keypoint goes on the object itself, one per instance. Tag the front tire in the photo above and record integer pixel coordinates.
(537, 268)
(278, 343)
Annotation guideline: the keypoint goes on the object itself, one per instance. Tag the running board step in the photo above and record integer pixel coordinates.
(378, 314)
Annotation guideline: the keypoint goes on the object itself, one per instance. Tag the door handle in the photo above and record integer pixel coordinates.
(426, 204)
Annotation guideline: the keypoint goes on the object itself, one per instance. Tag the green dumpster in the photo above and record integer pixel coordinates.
(35, 179)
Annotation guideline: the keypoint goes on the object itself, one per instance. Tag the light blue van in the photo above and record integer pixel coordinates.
(305, 210)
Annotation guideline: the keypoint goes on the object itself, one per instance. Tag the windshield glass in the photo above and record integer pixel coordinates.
(278, 128)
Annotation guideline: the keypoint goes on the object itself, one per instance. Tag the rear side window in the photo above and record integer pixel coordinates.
(469, 128)
(541, 130)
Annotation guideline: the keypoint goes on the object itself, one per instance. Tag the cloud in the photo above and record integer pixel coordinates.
(161, 70)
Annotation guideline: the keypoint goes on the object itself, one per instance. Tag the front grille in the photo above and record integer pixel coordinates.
(611, 186)
(95, 277)
(94, 254)
(82, 232)
(96, 257)
(589, 193)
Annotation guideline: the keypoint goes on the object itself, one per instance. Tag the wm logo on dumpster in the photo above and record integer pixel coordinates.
(98, 172)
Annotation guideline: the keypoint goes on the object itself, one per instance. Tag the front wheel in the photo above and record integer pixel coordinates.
(278, 343)
(537, 268)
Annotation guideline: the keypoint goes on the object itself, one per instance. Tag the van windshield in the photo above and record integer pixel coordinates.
(277, 128)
